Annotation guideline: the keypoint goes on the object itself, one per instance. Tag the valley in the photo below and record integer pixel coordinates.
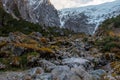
(37, 42)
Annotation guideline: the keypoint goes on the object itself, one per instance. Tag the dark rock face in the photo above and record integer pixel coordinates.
(36, 11)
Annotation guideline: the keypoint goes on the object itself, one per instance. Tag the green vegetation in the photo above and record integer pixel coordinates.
(108, 43)
(115, 21)
(110, 35)
(8, 24)
(22, 62)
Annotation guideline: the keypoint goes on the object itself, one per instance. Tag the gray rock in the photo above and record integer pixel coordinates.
(97, 74)
(35, 71)
(84, 75)
(18, 51)
(61, 73)
(37, 34)
(46, 65)
(75, 62)
(65, 73)
(75, 77)
(77, 23)
(36, 11)
(45, 76)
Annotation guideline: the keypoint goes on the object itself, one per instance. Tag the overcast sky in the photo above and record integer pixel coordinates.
(60, 4)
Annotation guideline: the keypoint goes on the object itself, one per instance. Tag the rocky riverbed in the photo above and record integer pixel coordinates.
(73, 57)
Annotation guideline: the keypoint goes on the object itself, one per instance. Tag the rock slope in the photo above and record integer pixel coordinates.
(73, 57)
(83, 19)
(36, 11)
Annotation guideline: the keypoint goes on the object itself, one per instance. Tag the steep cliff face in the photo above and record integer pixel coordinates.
(36, 11)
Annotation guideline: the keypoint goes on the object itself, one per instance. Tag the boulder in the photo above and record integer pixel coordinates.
(46, 65)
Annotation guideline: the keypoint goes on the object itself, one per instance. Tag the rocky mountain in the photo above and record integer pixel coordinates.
(87, 19)
(36, 11)
(81, 19)
(30, 52)
(110, 27)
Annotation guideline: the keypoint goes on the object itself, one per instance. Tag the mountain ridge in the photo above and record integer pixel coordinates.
(95, 15)
(36, 11)
(82, 19)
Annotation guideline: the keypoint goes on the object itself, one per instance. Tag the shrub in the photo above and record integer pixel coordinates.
(109, 46)
(108, 43)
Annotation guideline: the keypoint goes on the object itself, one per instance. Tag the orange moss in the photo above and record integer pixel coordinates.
(46, 50)
(111, 33)
(29, 46)
(34, 47)
(43, 40)
(32, 41)
(116, 67)
(15, 61)
(54, 47)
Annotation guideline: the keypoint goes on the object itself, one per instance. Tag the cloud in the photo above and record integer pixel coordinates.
(60, 4)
